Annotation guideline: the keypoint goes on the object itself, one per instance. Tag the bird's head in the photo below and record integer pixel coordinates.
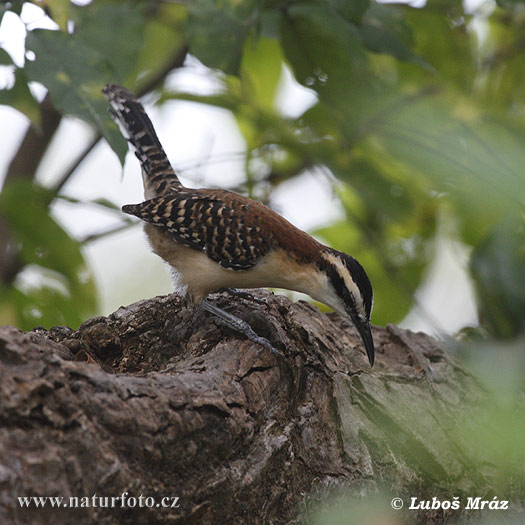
(349, 293)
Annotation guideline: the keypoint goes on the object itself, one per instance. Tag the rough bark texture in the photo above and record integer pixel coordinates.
(158, 399)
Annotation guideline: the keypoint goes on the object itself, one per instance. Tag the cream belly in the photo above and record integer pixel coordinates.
(202, 275)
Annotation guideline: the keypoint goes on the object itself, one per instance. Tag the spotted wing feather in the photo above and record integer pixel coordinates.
(224, 225)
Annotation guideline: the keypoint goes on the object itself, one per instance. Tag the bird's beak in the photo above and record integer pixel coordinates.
(366, 335)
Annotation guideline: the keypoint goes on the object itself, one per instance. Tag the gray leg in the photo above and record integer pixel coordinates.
(239, 325)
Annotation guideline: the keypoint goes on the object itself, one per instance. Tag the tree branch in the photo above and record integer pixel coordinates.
(158, 399)
(34, 144)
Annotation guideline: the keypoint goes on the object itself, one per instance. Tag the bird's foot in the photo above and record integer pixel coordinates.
(233, 322)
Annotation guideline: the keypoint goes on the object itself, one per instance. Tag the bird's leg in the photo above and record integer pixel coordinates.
(243, 294)
(233, 322)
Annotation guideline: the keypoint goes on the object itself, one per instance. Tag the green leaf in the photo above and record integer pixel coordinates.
(95, 34)
(498, 266)
(351, 11)
(326, 54)
(261, 68)
(5, 58)
(20, 98)
(74, 68)
(58, 10)
(442, 39)
(384, 30)
(476, 167)
(217, 34)
(323, 49)
(74, 75)
(39, 306)
(163, 39)
(269, 22)
(503, 66)
(43, 241)
(45, 247)
(390, 200)
(509, 4)
(13, 305)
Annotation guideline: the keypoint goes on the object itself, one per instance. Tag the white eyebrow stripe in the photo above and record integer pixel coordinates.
(350, 284)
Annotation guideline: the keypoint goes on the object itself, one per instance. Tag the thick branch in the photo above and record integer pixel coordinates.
(159, 400)
(34, 144)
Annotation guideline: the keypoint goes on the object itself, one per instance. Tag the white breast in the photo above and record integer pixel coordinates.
(202, 275)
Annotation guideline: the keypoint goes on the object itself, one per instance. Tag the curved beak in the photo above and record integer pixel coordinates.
(366, 335)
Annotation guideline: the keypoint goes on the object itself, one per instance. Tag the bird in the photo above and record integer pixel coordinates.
(216, 239)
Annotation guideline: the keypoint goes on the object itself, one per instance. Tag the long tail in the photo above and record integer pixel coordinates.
(157, 173)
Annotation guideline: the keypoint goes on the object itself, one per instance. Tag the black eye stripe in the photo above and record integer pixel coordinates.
(340, 287)
(357, 274)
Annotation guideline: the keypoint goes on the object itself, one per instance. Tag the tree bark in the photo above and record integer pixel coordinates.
(161, 401)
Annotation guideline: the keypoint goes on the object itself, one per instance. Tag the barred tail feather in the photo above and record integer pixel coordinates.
(157, 173)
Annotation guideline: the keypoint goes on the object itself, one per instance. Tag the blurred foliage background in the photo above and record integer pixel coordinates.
(418, 121)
